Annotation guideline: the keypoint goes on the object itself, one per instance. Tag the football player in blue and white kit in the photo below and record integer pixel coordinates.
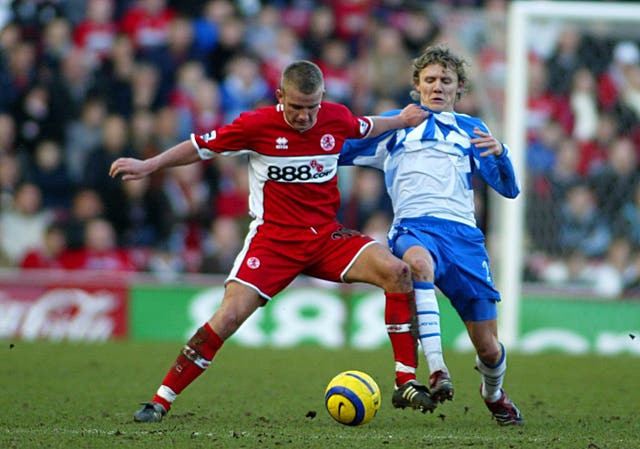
(428, 171)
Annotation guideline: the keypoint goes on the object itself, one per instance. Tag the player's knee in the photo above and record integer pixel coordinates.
(422, 269)
(226, 321)
(489, 352)
(397, 275)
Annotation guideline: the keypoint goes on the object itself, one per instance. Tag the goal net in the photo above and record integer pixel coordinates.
(571, 115)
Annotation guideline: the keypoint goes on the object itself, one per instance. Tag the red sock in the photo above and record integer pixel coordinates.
(194, 358)
(399, 314)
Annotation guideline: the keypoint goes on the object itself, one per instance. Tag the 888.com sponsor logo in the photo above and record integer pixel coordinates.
(295, 173)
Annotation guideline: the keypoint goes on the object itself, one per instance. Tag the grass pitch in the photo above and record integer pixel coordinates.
(65, 395)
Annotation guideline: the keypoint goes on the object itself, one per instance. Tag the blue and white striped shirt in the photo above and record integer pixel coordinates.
(428, 169)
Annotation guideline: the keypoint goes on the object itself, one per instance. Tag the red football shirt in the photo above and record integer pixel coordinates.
(292, 175)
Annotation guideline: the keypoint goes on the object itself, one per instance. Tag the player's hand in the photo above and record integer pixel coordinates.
(412, 115)
(486, 140)
(130, 168)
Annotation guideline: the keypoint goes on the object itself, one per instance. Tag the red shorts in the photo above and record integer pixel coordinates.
(273, 256)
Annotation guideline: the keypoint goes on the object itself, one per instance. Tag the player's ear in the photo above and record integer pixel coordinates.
(280, 94)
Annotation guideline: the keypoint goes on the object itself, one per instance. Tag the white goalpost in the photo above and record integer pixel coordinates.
(511, 221)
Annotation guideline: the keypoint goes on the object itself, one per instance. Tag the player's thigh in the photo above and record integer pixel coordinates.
(376, 265)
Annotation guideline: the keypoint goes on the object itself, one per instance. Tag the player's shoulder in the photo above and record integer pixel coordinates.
(468, 121)
(335, 108)
(261, 113)
(261, 118)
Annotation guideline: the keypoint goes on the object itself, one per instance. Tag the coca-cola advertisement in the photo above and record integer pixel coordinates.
(63, 307)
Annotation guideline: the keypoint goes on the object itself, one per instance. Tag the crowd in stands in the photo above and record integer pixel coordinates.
(85, 82)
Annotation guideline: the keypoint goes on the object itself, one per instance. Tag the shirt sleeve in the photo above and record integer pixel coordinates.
(369, 151)
(231, 139)
(498, 172)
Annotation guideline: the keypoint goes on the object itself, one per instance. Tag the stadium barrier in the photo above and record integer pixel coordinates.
(89, 306)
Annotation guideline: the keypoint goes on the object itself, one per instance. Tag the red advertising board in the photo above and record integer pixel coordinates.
(62, 305)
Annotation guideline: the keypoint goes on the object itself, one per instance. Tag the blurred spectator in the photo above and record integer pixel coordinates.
(565, 60)
(377, 226)
(221, 245)
(100, 250)
(183, 96)
(5, 262)
(166, 128)
(52, 253)
(18, 73)
(321, 29)
(287, 49)
(32, 16)
(142, 133)
(145, 218)
(69, 87)
(230, 44)
(96, 32)
(541, 151)
(50, 174)
(581, 225)
(419, 28)
(584, 105)
(628, 224)
(594, 152)
(338, 75)
(189, 200)
(35, 120)
(352, 17)
(542, 105)
(114, 144)
(242, 87)
(23, 226)
(207, 112)
(86, 205)
(147, 23)
(82, 135)
(262, 34)
(385, 60)
(231, 197)
(548, 192)
(206, 26)
(146, 89)
(612, 183)
(7, 134)
(10, 176)
(56, 44)
(179, 49)
(612, 81)
(367, 198)
(630, 94)
(115, 75)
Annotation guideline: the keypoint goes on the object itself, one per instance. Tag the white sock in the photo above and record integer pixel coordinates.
(492, 376)
(428, 315)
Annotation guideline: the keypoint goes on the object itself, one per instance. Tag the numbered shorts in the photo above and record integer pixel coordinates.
(461, 263)
(273, 256)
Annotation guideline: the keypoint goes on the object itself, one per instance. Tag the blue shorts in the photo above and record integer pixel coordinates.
(461, 263)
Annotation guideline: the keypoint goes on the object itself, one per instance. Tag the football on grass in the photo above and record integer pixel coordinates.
(352, 398)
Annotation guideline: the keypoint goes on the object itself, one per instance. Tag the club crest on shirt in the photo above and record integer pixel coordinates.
(327, 142)
(253, 262)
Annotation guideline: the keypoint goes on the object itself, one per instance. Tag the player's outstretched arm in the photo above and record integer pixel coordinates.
(410, 117)
(130, 168)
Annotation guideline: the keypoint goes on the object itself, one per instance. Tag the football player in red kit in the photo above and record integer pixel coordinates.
(293, 149)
